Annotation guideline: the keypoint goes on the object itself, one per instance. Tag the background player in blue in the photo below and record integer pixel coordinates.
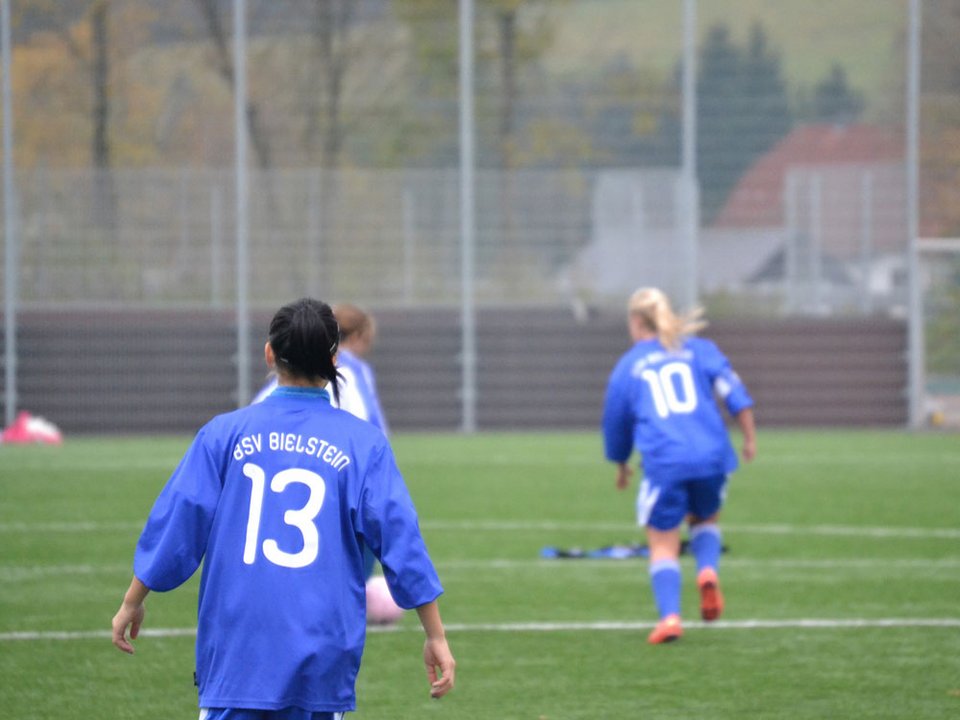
(358, 385)
(358, 333)
(277, 500)
(660, 400)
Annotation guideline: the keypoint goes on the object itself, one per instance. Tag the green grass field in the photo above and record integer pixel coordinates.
(842, 582)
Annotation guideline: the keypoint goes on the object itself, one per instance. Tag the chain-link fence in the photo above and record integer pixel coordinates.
(125, 130)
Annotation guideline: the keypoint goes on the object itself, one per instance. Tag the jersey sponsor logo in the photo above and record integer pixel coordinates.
(660, 356)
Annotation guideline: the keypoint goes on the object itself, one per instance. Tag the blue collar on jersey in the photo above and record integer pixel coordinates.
(301, 392)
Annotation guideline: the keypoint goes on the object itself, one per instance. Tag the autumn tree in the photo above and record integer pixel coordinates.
(223, 62)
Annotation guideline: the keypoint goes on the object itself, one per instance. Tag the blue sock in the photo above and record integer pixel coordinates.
(665, 581)
(706, 545)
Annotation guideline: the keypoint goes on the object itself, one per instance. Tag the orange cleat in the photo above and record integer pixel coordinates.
(711, 599)
(667, 630)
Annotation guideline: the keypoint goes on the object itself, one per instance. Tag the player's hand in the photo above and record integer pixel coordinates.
(624, 472)
(749, 451)
(440, 666)
(130, 615)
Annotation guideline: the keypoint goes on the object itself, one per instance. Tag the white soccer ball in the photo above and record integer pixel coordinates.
(381, 608)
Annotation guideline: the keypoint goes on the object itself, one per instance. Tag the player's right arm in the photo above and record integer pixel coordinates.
(617, 423)
(130, 615)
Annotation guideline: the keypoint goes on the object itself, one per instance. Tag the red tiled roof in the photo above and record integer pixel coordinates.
(757, 199)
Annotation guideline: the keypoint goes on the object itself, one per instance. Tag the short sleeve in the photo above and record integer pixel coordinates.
(174, 540)
(389, 525)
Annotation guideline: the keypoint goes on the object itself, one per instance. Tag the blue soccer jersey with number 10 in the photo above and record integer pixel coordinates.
(662, 403)
(277, 500)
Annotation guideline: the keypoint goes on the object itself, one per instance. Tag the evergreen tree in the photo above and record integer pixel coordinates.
(834, 100)
(742, 110)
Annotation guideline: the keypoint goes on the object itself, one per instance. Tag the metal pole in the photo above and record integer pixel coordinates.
(313, 235)
(216, 243)
(467, 219)
(409, 242)
(690, 221)
(791, 261)
(866, 239)
(12, 241)
(816, 242)
(915, 331)
(242, 211)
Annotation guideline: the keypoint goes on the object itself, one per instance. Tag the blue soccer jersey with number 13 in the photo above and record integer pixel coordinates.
(277, 500)
(662, 403)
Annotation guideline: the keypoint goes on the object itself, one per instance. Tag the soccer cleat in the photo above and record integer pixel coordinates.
(711, 599)
(667, 630)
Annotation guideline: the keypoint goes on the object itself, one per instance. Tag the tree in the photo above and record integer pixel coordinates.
(719, 107)
(105, 202)
(834, 101)
(940, 121)
(84, 31)
(766, 108)
(511, 35)
(223, 59)
(742, 107)
(324, 77)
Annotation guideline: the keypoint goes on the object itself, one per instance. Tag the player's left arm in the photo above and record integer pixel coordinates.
(748, 429)
(387, 520)
(437, 658)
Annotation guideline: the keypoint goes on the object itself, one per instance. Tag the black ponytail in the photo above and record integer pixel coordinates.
(304, 336)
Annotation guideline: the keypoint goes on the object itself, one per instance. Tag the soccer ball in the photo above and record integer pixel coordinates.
(381, 608)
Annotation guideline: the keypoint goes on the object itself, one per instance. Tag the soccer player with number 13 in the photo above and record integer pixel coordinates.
(278, 499)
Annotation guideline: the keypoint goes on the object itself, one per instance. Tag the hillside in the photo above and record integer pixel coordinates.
(862, 36)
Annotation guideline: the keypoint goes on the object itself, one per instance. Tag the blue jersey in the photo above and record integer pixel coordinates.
(662, 403)
(277, 499)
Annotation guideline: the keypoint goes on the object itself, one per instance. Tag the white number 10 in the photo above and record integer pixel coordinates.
(301, 519)
(672, 389)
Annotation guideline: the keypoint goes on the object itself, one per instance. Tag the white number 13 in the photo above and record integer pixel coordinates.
(301, 519)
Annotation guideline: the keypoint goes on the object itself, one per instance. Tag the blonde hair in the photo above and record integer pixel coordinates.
(653, 307)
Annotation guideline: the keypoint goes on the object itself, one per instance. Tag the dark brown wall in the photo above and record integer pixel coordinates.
(170, 371)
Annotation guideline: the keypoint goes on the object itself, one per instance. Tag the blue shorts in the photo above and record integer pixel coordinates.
(663, 506)
(290, 713)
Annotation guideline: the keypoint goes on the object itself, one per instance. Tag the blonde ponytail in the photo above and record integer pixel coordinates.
(654, 307)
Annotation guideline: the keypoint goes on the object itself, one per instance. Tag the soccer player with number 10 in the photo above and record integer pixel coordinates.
(661, 400)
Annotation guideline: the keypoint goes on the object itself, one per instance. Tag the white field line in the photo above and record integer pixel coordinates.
(80, 526)
(16, 574)
(546, 525)
(13, 573)
(772, 529)
(612, 625)
(766, 462)
(900, 564)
